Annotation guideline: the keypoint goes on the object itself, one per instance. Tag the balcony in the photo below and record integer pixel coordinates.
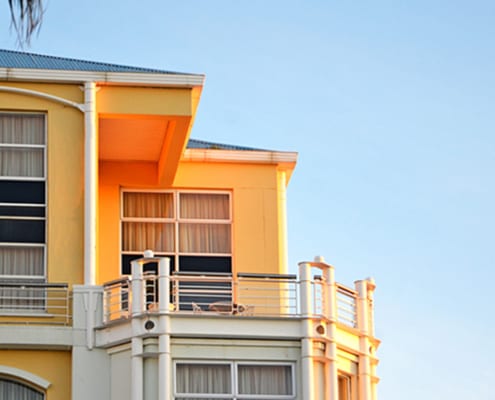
(38, 303)
(245, 295)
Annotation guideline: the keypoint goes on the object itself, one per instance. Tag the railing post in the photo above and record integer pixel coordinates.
(137, 288)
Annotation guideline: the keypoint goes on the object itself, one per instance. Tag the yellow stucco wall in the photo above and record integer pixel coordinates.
(64, 175)
(53, 366)
(254, 204)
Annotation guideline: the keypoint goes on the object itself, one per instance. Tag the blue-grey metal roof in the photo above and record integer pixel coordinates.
(18, 59)
(201, 144)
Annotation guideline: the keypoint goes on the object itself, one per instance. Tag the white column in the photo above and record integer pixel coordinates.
(331, 384)
(90, 182)
(365, 392)
(282, 219)
(137, 288)
(137, 369)
(164, 352)
(307, 367)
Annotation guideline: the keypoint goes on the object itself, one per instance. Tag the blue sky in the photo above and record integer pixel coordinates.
(390, 106)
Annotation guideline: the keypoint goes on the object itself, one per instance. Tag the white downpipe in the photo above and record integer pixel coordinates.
(90, 182)
(365, 389)
(164, 352)
(307, 367)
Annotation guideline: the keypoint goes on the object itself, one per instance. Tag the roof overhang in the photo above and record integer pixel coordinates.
(102, 78)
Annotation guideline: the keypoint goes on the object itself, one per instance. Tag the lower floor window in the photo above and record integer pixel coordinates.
(234, 380)
(22, 277)
(12, 390)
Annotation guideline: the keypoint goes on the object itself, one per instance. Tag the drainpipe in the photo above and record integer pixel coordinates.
(90, 182)
(307, 367)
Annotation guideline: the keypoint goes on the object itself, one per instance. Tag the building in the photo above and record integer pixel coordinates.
(137, 263)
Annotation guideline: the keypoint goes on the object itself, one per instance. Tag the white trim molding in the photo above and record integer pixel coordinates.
(26, 376)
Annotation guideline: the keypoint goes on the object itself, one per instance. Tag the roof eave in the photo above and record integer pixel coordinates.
(109, 78)
(254, 157)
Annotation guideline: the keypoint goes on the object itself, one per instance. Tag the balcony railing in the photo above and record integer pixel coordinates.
(260, 295)
(35, 303)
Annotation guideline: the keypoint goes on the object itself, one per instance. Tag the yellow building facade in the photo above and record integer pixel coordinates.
(138, 263)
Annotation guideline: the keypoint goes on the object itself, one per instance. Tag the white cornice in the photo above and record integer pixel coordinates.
(130, 78)
(243, 156)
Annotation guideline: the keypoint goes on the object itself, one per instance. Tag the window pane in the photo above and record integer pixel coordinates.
(10, 390)
(140, 236)
(204, 206)
(204, 238)
(21, 260)
(22, 192)
(22, 128)
(265, 379)
(203, 378)
(148, 205)
(22, 231)
(21, 162)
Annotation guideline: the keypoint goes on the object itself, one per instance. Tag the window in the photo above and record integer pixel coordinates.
(193, 228)
(344, 384)
(22, 210)
(233, 380)
(12, 390)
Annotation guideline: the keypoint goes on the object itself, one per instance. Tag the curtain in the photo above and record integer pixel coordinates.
(10, 390)
(205, 237)
(22, 137)
(203, 378)
(204, 206)
(22, 260)
(148, 205)
(140, 236)
(265, 379)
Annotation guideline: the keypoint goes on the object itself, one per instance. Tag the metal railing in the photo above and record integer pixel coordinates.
(35, 303)
(346, 306)
(263, 295)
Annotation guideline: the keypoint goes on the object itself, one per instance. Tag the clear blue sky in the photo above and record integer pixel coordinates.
(390, 105)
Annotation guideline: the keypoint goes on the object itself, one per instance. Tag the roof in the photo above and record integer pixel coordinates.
(201, 144)
(17, 59)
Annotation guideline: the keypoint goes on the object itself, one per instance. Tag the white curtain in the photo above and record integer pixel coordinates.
(204, 223)
(265, 379)
(205, 237)
(10, 390)
(21, 260)
(18, 132)
(203, 379)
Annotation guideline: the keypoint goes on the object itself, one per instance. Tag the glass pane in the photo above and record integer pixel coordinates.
(22, 192)
(140, 236)
(265, 379)
(204, 206)
(27, 261)
(22, 128)
(203, 378)
(21, 162)
(204, 238)
(148, 205)
(22, 231)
